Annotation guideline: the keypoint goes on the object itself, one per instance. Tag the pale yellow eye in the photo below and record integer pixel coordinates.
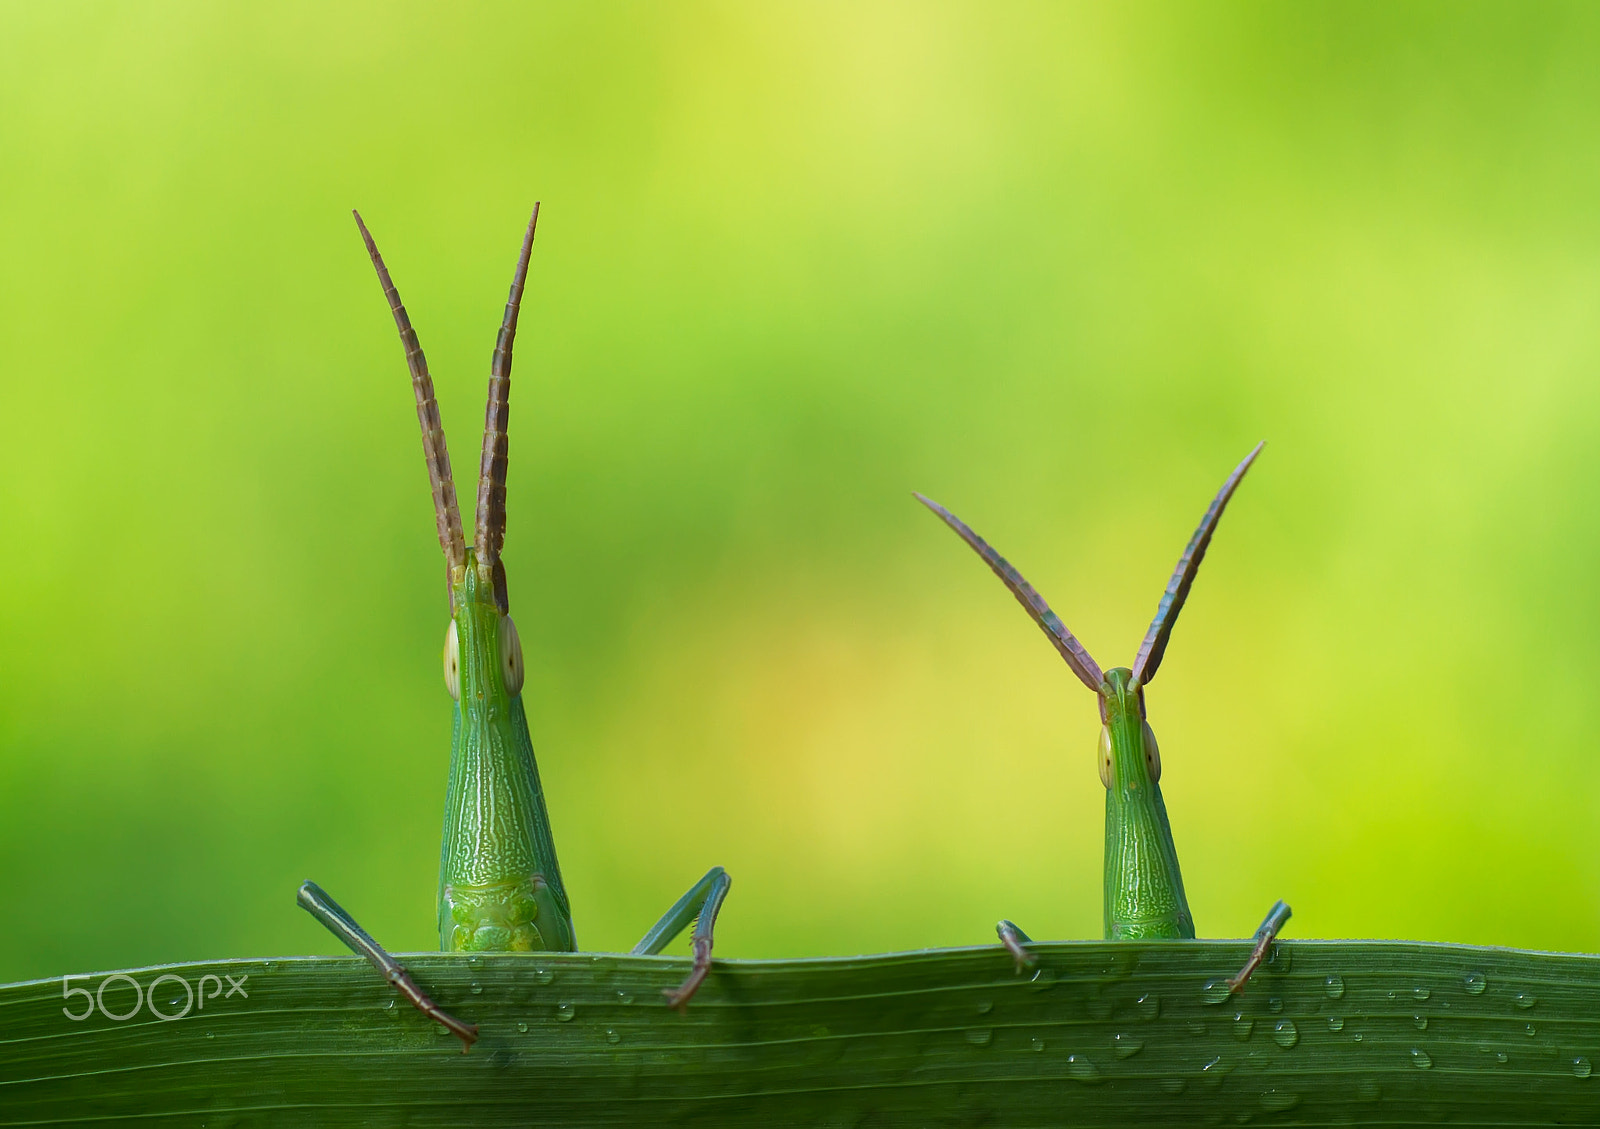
(1152, 754)
(510, 656)
(1105, 756)
(452, 661)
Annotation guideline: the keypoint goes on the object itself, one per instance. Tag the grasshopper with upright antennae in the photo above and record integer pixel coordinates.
(1143, 895)
(500, 886)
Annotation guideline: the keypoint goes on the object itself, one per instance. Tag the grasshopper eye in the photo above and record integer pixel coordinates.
(1152, 754)
(452, 661)
(1105, 756)
(511, 669)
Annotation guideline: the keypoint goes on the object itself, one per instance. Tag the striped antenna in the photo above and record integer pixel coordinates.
(433, 446)
(490, 533)
(1077, 658)
(1155, 640)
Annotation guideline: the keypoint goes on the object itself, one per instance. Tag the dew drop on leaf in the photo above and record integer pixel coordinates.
(1276, 1101)
(1080, 1069)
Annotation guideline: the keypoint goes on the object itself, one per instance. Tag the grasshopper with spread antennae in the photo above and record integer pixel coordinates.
(1143, 895)
(500, 886)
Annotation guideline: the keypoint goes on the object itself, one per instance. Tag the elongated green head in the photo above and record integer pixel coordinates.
(499, 883)
(1143, 886)
(1130, 762)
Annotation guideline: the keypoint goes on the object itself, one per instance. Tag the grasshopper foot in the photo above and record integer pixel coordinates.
(1013, 939)
(1265, 935)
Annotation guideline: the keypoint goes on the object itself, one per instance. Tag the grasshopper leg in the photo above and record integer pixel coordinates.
(700, 905)
(1013, 939)
(1265, 935)
(316, 902)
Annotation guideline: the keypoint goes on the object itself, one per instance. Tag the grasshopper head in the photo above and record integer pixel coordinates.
(1129, 757)
(482, 653)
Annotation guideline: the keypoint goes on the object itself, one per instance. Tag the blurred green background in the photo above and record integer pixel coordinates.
(1057, 266)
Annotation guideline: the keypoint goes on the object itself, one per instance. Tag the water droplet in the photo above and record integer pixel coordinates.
(543, 975)
(1242, 1025)
(985, 1007)
(1356, 1036)
(1279, 958)
(1196, 1028)
(523, 1028)
(1038, 1044)
(1285, 1034)
(1391, 995)
(565, 1012)
(624, 997)
(1335, 1023)
(1042, 980)
(1474, 983)
(1215, 991)
(1126, 1046)
(1420, 993)
(979, 1036)
(210, 1035)
(612, 1036)
(1524, 1001)
(387, 1004)
(1274, 1004)
(1368, 1090)
(1149, 1005)
(1174, 1085)
(1334, 986)
(1420, 1022)
(1420, 1059)
(1581, 1067)
(1279, 1100)
(1530, 1031)
(477, 989)
(1501, 1057)
(1080, 1069)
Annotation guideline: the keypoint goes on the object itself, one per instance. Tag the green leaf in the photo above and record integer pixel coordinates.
(1098, 1034)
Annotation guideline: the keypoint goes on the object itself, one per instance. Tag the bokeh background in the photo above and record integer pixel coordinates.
(1058, 266)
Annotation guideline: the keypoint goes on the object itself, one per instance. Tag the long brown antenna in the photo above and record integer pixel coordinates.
(1082, 664)
(1155, 640)
(489, 535)
(433, 446)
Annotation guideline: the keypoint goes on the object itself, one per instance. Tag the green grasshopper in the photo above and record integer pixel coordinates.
(1143, 895)
(500, 886)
